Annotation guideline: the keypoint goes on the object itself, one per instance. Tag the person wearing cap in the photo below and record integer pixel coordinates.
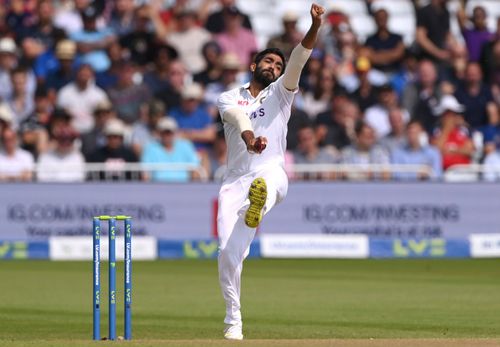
(64, 71)
(80, 97)
(115, 153)
(452, 137)
(290, 36)
(16, 164)
(188, 39)
(194, 120)
(63, 163)
(255, 118)
(235, 38)
(384, 49)
(170, 148)
(94, 139)
(365, 95)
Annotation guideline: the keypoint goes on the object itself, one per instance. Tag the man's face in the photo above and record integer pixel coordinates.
(381, 19)
(268, 70)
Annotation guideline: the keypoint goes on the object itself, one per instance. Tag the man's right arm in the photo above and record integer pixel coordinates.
(302, 51)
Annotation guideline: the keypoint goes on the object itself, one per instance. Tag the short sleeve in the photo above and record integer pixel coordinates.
(284, 93)
(225, 102)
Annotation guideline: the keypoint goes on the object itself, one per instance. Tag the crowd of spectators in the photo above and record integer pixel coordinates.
(124, 81)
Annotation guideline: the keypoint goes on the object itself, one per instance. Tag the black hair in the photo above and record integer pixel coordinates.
(267, 51)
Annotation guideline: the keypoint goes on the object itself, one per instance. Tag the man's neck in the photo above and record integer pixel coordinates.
(255, 88)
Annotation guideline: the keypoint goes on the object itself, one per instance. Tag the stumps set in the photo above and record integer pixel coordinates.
(112, 276)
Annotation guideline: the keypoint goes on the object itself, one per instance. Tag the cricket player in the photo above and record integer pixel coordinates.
(255, 118)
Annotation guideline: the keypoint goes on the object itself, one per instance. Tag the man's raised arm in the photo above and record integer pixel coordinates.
(302, 51)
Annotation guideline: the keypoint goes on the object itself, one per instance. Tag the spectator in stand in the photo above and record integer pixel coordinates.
(492, 167)
(8, 62)
(80, 98)
(63, 163)
(109, 78)
(298, 120)
(311, 71)
(170, 149)
(18, 16)
(364, 152)
(318, 100)
(218, 158)
(416, 152)
(41, 35)
(194, 120)
(407, 75)
(290, 37)
(308, 151)
(490, 61)
(144, 131)
(65, 70)
(452, 137)
(215, 22)
(115, 154)
(69, 17)
(433, 31)
(6, 118)
(377, 116)
(213, 71)
(96, 138)
(16, 164)
(92, 41)
(336, 127)
(384, 49)
(157, 78)
(396, 138)
(421, 97)
(173, 83)
(128, 96)
(475, 33)
(230, 68)
(235, 38)
(480, 108)
(20, 102)
(188, 39)
(139, 43)
(365, 96)
(122, 17)
(34, 130)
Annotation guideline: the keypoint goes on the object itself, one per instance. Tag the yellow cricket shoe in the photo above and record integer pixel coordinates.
(257, 194)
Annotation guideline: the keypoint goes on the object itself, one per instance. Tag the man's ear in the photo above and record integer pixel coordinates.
(253, 66)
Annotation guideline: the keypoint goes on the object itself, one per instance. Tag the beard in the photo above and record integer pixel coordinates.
(264, 77)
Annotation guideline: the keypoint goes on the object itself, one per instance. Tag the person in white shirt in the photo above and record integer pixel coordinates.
(255, 118)
(16, 164)
(65, 163)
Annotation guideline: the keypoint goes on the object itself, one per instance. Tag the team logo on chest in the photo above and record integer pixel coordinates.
(258, 113)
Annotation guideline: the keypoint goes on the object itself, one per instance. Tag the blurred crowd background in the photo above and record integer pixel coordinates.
(391, 82)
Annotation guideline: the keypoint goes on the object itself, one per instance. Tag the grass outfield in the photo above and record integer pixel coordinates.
(285, 303)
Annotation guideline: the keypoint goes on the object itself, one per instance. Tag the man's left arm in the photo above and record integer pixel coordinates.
(302, 51)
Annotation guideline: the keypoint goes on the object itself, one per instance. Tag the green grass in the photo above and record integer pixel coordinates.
(44, 303)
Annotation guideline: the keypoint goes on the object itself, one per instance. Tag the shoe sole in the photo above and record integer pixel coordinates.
(257, 194)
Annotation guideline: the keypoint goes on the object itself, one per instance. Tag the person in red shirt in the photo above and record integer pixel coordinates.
(452, 136)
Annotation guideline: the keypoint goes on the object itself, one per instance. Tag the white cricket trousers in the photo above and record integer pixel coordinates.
(234, 236)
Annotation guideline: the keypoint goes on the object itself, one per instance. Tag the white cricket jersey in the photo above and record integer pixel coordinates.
(269, 113)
